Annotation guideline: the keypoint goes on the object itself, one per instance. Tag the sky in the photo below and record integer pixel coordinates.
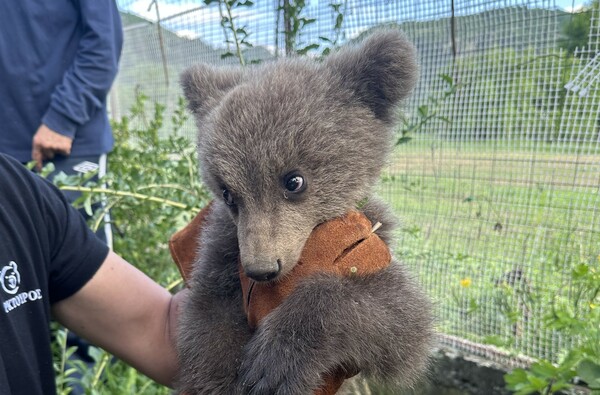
(171, 7)
(201, 24)
(569, 5)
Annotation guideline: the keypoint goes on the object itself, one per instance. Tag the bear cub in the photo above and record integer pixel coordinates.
(285, 146)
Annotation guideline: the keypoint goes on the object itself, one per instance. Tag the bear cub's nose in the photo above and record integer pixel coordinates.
(263, 271)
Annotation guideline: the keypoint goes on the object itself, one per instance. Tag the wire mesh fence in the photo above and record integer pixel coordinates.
(497, 172)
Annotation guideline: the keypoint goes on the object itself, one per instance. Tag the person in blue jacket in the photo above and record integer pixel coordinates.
(58, 60)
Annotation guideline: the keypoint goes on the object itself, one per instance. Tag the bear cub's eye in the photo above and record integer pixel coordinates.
(294, 183)
(227, 197)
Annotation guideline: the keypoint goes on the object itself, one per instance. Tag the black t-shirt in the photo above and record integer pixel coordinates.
(47, 253)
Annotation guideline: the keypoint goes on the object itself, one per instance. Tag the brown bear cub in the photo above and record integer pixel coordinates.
(286, 146)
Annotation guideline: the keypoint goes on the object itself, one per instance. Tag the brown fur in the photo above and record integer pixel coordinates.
(332, 124)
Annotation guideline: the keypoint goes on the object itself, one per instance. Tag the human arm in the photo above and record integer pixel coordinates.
(125, 312)
(47, 143)
(87, 80)
(89, 289)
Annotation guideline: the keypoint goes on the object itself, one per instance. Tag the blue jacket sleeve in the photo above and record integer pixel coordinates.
(88, 79)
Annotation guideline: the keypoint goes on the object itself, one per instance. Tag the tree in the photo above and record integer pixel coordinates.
(576, 29)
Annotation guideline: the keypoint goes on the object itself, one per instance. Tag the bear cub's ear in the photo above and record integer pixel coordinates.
(204, 85)
(381, 71)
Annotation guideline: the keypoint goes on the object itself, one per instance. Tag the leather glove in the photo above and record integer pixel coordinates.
(344, 246)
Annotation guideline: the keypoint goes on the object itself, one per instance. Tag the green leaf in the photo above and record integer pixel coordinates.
(559, 385)
(538, 383)
(246, 3)
(516, 377)
(304, 50)
(448, 79)
(307, 21)
(412, 128)
(570, 360)
(403, 140)
(473, 306)
(495, 340)
(589, 372)
(423, 111)
(87, 205)
(544, 369)
(581, 270)
(526, 389)
(338, 21)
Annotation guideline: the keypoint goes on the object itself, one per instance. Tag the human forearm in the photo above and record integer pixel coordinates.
(89, 76)
(123, 311)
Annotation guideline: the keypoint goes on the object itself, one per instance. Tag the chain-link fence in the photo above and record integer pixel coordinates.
(497, 172)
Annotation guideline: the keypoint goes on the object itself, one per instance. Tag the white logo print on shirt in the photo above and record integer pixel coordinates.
(10, 280)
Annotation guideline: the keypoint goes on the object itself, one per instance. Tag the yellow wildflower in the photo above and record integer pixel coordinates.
(465, 282)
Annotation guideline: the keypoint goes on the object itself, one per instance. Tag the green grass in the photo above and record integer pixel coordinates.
(493, 230)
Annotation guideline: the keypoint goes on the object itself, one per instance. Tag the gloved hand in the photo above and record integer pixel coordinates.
(344, 246)
(184, 243)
